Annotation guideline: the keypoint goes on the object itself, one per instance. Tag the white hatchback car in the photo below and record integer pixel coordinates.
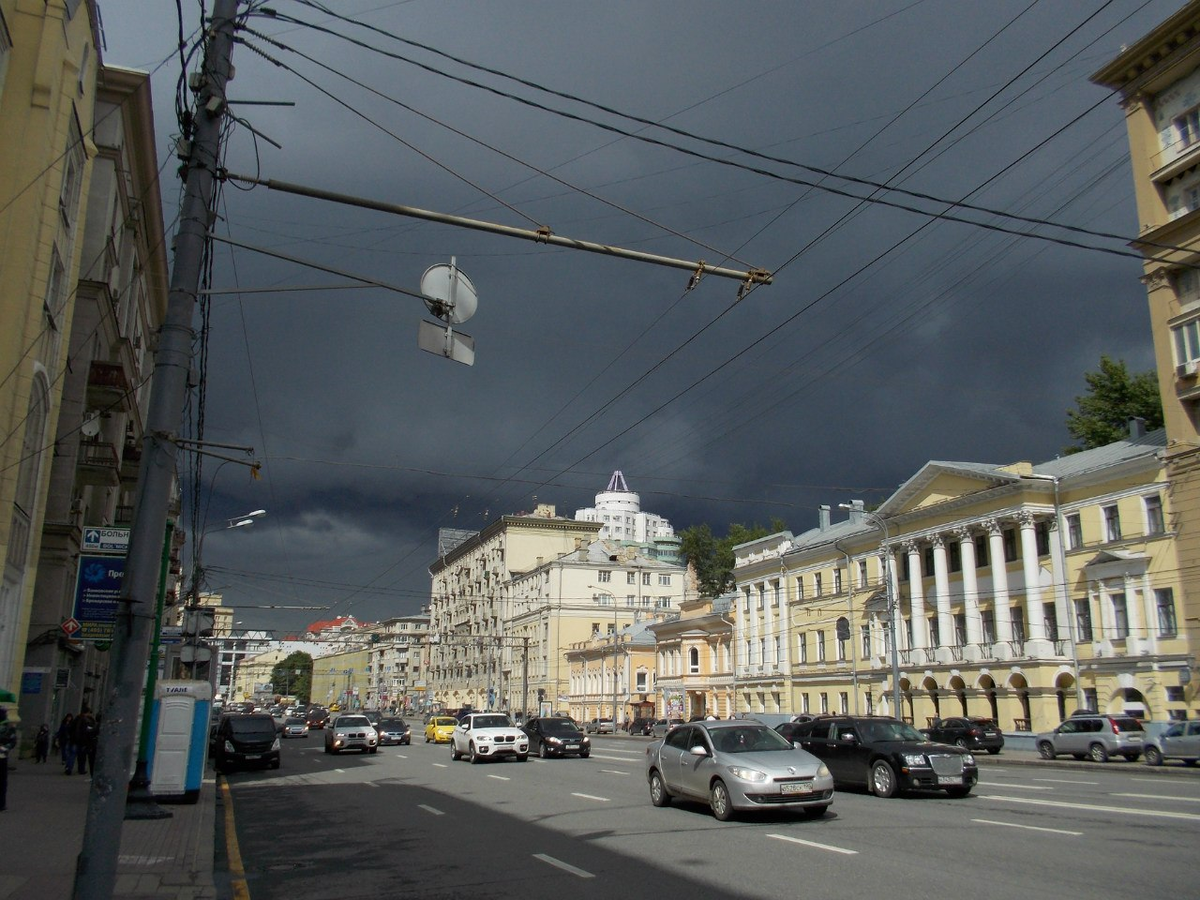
(480, 736)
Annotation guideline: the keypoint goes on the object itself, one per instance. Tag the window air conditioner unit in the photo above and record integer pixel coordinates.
(1186, 370)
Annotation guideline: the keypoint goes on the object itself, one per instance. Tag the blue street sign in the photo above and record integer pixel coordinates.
(97, 590)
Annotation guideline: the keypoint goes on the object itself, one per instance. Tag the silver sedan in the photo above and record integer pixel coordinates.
(736, 766)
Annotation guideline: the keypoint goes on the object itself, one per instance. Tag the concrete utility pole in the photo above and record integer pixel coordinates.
(96, 869)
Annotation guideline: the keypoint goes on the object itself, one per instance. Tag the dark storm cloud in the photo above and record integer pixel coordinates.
(880, 346)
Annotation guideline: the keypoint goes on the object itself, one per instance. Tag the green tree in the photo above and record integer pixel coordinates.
(1114, 397)
(712, 557)
(292, 676)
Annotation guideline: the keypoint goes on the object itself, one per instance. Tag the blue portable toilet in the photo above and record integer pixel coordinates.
(179, 739)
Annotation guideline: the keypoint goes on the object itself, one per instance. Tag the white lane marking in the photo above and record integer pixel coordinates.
(1019, 787)
(1160, 797)
(619, 759)
(401, 756)
(441, 765)
(590, 797)
(1026, 827)
(430, 809)
(370, 784)
(829, 847)
(500, 777)
(614, 771)
(1065, 781)
(566, 867)
(1164, 814)
(340, 771)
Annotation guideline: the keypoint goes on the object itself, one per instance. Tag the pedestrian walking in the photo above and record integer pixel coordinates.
(8, 741)
(65, 738)
(86, 733)
(41, 744)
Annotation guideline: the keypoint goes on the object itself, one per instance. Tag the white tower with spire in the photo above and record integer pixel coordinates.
(619, 510)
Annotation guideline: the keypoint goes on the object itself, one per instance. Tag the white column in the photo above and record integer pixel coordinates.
(1063, 608)
(1035, 613)
(941, 593)
(785, 625)
(970, 583)
(916, 595)
(1133, 610)
(1150, 608)
(768, 614)
(1000, 599)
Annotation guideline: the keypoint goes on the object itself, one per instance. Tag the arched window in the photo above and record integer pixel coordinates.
(694, 661)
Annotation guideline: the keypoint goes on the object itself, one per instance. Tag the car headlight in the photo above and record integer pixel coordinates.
(229, 748)
(823, 771)
(275, 746)
(747, 774)
(914, 759)
(586, 740)
(553, 740)
(968, 759)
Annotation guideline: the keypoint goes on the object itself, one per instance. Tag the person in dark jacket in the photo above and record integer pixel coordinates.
(65, 738)
(86, 733)
(8, 743)
(41, 744)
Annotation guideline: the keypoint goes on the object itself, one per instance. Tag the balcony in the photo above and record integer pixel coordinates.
(131, 461)
(108, 387)
(123, 516)
(98, 464)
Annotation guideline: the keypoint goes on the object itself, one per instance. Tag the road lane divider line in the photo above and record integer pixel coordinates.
(614, 771)
(1123, 810)
(566, 867)
(340, 771)
(590, 797)
(1066, 781)
(829, 847)
(500, 777)
(1160, 797)
(401, 756)
(233, 852)
(1003, 785)
(619, 759)
(1027, 827)
(431, 810)
(441, 765)
(370, 784)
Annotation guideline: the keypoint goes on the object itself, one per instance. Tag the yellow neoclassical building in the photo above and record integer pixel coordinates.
(1019, 592)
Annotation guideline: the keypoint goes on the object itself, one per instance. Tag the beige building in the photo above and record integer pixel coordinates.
(396, 664)
(592, 664)
(1020, 592)
(694, 660)
(509, 601)
(1157, 79)
(343, 678)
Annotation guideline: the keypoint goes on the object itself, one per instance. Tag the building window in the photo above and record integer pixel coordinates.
(761, 596)
(778, 654)
(935, 638)
(640, 684)
(1074, 531)
(664, 580)
(837, 581)
(800, 587)
(693, 661)
(824, 703)
(820, 646)
(1010, 544)
(1187, 128)
(817, 584)
(604, 576)
(954, 556)
(1154, 514)
(987, 621)
(1112, 523)
(1041, 534)
(1018, 623)
(1187, 342)
(905, 573)
(1164, 602)
(1083, 619)
(1175, 694)
(646, 579)
(73, 162)
(801, 648)
(960, 629)
(1050, 618)
(927, 559)
(865, 636)
(843, 703)
(981, 551)
(862, 573)
(631, 577)
(804, 703)
(630, 600)
(1120, 616)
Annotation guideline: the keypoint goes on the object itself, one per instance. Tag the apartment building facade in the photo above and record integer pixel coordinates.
(1018, 592)
(694, 660)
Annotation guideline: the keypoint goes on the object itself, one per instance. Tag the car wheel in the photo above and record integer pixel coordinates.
(454, 754)
(993, 750)
(659, 795)
(585, 754)
(720, 801)
(275, 764)
(1046, 750)
(522, 757)
(958, 792)
(543, 752)
(815, 812)
(883, 780)
(373, 750)
(1098, 753)
(960, 742)
(1153, 756)
(427, 739)
(472, 756)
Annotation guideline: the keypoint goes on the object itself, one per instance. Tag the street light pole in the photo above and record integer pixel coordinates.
(893, 605)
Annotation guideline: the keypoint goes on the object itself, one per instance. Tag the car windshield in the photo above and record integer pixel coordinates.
(747, 739)
(295, 721)
(392, 724)
(353, 722)
(248, 727)
(877, 732)
(445, 720)
(558, 726)
(490, 722)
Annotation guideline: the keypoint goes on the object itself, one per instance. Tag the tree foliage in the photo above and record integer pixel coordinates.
(1114, 397)
(286, 682)
(712, 557)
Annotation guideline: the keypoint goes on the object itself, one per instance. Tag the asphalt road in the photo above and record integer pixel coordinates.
(409, 822)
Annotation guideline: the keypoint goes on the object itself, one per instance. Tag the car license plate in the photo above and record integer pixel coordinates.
(796, 787)
(253, 756)
(571, 747)
(949, 779)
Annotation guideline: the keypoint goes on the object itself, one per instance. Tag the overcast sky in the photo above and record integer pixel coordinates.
(889, 337)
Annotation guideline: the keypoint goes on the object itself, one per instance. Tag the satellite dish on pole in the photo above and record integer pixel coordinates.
(449, 293)
(91, 424)
(451, 297)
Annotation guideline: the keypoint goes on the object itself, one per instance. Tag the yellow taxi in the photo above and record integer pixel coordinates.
(439, 729)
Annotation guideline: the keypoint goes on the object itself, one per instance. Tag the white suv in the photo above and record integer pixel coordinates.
(480, 736)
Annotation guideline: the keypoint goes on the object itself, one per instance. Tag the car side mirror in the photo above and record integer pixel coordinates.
(698, 751)
(848, 738)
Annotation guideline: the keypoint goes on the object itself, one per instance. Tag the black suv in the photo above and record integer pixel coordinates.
(970, 732)
(556, 736)
(239, 741)
(887, 756)
(640, 726)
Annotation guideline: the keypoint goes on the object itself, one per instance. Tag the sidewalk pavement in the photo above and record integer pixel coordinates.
(41, 833)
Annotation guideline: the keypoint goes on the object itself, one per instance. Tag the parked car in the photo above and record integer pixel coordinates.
(1180, 741)
(790, 731)
(556, 736)
(971, 732)
(393, 731)
(439, 729)
(244, 740)
(736, 766)
(600, 726)
(662, 726)
(294, 727)
(317, 717)
(351, 732)
(887, 756)
(480, 736)
(1094, 735)
(640, 725)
